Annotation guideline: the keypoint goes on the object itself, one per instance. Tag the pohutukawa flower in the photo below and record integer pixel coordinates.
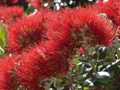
(112, 9)
(10, 14)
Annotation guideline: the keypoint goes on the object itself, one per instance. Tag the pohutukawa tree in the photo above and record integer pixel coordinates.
(40, 39)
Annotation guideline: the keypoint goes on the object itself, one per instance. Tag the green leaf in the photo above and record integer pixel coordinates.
(106, 81)
(29, 10)
(3, 39)
(86, 88)
(2, 51)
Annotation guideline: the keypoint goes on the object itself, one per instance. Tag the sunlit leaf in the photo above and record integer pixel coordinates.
(3, 36)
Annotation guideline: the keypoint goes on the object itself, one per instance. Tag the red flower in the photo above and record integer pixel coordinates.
(10, 14)
(103, 31)
(24, 33)
(47, 58)
(6, 74)
(46, 43)
(112, 9)
(42, 62)
(36, 3)
(13, 1)
(82, 51)
(100, 27)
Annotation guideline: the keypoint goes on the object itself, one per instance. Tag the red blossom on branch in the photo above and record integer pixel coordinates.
(46, 42)
(36, 3)
(10, 14)
(6, 73)
(112, 9)
(22, 33)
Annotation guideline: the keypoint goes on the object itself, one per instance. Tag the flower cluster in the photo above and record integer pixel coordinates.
(112, 9)
(36, 3)
(10, 14)
(41, 44)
